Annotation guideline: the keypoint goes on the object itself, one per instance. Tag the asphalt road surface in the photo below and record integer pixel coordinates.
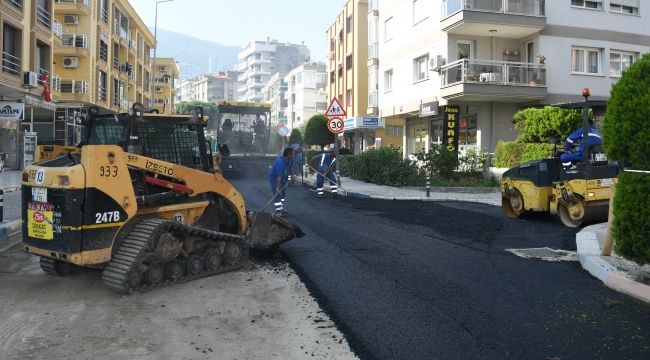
(432, 280)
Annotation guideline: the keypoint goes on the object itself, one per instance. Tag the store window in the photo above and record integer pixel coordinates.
(468, 125)
(436, 131)
(416, 135)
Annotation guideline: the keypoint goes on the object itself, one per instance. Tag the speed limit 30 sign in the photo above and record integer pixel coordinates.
(335, 125)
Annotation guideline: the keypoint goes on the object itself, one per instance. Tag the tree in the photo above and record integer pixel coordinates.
(186, 107)
(296, 137)
(316, 132)
(626, 137)
(547, 124)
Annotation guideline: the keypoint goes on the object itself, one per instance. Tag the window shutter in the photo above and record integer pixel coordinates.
(632, 3)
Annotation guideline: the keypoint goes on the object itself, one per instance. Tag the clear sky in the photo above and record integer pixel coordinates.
(235, 22)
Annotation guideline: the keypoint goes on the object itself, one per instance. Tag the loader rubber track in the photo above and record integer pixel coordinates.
(127, 260)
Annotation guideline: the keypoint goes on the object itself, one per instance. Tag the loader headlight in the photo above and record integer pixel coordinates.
(591, 194)
(64, 180)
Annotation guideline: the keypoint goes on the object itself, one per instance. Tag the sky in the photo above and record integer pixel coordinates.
(236, 22)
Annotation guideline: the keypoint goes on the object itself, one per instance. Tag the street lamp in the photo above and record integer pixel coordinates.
(155, 47)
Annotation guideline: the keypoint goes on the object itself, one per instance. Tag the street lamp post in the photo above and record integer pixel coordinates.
(155, 47)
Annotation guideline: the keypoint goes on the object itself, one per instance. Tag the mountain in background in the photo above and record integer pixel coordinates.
(193, 54)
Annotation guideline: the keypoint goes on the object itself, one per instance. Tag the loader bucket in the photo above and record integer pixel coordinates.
(269, 230)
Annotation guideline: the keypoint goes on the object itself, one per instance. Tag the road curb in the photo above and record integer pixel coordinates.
(11, 189)
(8, 228)
(589, 251)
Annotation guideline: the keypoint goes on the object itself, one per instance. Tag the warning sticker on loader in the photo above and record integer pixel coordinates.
(39, 224)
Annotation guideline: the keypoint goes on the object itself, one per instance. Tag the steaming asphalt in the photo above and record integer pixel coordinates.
(431, 280)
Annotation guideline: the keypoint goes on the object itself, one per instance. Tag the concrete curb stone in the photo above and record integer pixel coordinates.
(588, 248)
(8, 228)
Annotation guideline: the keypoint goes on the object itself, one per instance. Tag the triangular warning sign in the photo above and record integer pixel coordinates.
(335, 109)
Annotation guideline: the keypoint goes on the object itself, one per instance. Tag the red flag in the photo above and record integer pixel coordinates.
(45, 81)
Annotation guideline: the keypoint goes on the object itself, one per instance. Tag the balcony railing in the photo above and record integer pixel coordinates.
(116, 64)
(493, 73)
(75, 40)
(116, 99)
(103, 15)
(164, 80)
(17, 3)
(517, 7)
(101, 93)
(40, 73)
(43, 16)
(373, 51)
(124, 103)
(373, 99)
(74, 86)
(132, 44)
(57, 28)
(56, 83)
(11, 64)
(77, 2)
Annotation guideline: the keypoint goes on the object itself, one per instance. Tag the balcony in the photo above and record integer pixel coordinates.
(57, 29)
(73, 45)
(488, 80)
(56, 83)
(513, 19)
(73, 7)
(11, 64)
(74, 90)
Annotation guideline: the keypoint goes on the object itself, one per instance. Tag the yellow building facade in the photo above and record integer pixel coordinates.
(166, 73)
(101, 58)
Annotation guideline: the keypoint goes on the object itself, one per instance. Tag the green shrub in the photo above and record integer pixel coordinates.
(439, 161)
(316, 132)
(626, 135)
(383, 166)
(546, 125)
(473, 163)
(631, 227)
(510, 154)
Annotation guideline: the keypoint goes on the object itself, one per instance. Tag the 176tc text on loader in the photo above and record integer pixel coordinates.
(143, 200)
(578, 195)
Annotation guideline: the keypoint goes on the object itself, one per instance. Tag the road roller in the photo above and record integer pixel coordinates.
(579, 194)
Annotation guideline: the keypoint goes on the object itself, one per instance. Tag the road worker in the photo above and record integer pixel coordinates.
(325, 166)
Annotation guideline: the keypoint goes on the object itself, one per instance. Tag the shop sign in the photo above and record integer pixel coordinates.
(429, 109)
(12, 110)
(451, 128)
(364, 122)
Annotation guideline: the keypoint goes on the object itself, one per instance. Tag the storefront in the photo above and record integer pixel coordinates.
(11, 113)
(360, 133)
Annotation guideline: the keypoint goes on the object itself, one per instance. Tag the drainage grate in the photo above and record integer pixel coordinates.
(546, 254)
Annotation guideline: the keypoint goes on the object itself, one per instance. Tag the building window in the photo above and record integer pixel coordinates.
(420, 12)
(585, 60)
(420, 69)
(11, 50)
(388, 29)
(348, 62)
(103, 50)
(348, 24)
(101, 86)
(394, 130)
(588, 4)
(630, 7)
(388, 80)
(42, 58)
(620, 61)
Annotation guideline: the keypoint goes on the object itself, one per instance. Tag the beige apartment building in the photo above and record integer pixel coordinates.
(166, 75)
(347, 69)
(101, 58)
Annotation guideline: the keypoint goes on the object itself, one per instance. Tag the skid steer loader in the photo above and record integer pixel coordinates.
(579, 195)
(143, 200)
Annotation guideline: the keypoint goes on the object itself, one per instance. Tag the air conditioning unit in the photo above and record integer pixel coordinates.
(70, 62)
(70, 19)
(30, 79)
(435, 63)
(163, 68)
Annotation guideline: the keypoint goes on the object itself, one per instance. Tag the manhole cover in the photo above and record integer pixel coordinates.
(546, 254)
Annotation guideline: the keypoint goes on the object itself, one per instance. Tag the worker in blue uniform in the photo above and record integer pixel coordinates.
(325, 165)
(278, 179)
(575, 139)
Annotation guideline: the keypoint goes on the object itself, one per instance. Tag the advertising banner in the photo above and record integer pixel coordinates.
(10, 110)
(451, 127)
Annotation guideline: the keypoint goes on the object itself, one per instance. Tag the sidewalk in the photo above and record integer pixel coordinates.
(10, 180)
(617, 273)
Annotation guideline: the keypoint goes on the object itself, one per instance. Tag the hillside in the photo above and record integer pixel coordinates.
(192, 53)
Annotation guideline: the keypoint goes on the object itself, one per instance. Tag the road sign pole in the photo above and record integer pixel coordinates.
(336, 164)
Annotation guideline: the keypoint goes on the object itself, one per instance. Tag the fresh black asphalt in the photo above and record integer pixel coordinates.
(431, 280)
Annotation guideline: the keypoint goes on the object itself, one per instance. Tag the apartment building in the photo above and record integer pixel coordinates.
(101, 58)
(262, 59)
(26, 44)
(347, 68)
(306, 93)
(484, 60)
(210, 88)
(165, 77)
(186, 90)
(273, 94)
